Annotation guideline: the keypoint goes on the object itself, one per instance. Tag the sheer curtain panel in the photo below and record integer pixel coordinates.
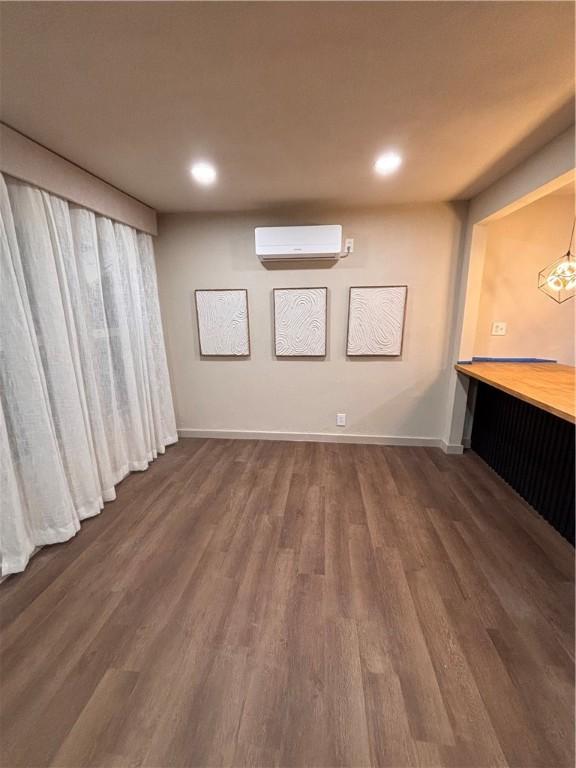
(84, 390)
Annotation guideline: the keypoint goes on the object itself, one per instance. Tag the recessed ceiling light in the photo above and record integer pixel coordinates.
(204, 173)
(387, 163)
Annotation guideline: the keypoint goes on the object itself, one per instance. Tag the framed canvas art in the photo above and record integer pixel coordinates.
(300, 319)
(223, 325)
(376, 320)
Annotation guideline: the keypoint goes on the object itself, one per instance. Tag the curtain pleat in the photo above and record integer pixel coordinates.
(85, 395)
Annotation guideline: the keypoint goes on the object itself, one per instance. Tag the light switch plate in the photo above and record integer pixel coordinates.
(498, 328)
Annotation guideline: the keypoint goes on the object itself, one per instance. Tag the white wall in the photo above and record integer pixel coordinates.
(383, 398)
(518, 246)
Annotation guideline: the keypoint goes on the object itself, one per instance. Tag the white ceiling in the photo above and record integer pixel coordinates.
(293, 101)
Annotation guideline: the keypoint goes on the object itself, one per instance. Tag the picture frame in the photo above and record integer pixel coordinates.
(376, 320)
(300, 321)
(223, 322)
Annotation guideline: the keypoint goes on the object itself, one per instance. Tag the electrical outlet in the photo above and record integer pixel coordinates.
(340, 419)
(498, 328)
(349, 245)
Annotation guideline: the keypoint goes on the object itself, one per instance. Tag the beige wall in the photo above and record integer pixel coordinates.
(545, 171)
(383, 398)
(518, 246)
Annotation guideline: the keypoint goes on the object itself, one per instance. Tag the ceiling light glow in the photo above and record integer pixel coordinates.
(204, 173)
(387, 163)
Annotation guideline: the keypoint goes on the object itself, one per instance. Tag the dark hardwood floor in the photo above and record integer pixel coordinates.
(295, 604)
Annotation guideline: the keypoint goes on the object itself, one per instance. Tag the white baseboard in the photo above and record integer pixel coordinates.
(452, 448)
(312, 437)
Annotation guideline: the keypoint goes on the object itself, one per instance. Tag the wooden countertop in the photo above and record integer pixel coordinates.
(549, 386)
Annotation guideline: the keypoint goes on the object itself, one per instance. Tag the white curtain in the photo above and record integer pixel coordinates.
(84, 390)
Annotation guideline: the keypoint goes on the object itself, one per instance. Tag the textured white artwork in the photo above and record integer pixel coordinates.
(223, 322)
(376, 320)
(300, 322)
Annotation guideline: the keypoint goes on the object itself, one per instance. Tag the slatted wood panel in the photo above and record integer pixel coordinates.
(530, 449)
(294, 604)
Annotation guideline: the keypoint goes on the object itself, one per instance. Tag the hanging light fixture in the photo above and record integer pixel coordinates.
(558, 280)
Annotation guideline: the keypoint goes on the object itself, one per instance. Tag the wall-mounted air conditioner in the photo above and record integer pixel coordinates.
(313, 242)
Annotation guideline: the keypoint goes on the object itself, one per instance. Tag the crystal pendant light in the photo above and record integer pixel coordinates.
(558, 280)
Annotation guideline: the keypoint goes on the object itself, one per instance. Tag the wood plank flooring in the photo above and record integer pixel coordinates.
(250, 603)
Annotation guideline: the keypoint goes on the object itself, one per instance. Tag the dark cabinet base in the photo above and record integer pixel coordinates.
(532, 450)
